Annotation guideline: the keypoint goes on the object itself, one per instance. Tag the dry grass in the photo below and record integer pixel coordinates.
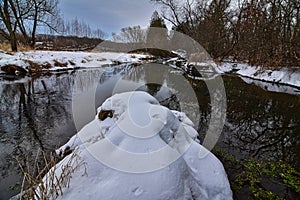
(49, 181)
(13, 70)
(47, 65)
(33, 67)
(22, 47)
(60, 64)
(5, 46)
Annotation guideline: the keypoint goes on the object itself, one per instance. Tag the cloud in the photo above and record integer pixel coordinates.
(110, 16)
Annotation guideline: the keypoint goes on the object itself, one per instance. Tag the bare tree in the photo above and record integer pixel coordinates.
(98, 33)
(43, 13)
(8, 24)
(132, 34)
(262, 32)
(208, 22)
(24, 16)
(79, 28)
(172, 11)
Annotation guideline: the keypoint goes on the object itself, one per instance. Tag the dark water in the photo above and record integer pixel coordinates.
(36, 114)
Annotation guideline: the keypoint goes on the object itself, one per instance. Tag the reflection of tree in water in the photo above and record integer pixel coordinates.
(153, 88)
(31, 114)
(262, 124)
(259, 124)
(154, 79)
(168, 86)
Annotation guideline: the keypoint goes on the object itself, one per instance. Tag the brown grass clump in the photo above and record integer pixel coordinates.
(60, 64)
(23, 47)
(44, 182)
(13, 70)
(47, 65)
(33, 67)
(5, 46)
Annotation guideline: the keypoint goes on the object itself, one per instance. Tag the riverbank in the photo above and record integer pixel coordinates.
(32, 62)
(285, 75)
(41, 61)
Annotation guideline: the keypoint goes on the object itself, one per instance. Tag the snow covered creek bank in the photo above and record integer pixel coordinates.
(37, 114)
(37, 62)
(286, 80)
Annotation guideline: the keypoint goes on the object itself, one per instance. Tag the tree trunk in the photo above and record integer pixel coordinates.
(35, 22)
(13, 42)
(294, 34)
(7, 21)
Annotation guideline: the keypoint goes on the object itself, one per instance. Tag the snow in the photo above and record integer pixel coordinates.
(273, 87)
(182, 53)
(73, 59)
(6, 59)
(145, 151)
(288, 76)
(225, 67)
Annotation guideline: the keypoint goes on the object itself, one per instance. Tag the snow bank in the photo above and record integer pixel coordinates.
(288, 76)
(129, 155)
(273, 87)
(67, 60)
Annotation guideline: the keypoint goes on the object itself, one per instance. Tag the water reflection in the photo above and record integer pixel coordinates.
(37, 113)
(264, 125)
(171, 89)
(260, 124)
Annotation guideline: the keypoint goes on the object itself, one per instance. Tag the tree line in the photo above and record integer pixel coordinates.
(262, 32)
(22, 20)
(136, 35)
(80, 28)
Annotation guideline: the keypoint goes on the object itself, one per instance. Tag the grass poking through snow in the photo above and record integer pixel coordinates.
(48, 181)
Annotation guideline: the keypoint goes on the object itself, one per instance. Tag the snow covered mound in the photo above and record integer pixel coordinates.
(138, 149)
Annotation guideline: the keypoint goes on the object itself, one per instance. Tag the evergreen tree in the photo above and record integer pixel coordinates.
(157, 35)
(157, 21)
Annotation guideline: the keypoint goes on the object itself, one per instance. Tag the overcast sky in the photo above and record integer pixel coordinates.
(109, 15)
